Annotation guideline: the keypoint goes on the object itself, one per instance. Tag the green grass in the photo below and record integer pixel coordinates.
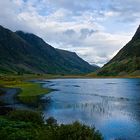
(29, 92)
(31, 89)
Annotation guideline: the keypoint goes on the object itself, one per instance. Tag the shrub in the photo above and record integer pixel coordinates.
(28, 125)
(26, 116)
(51, 121)
(77, 131)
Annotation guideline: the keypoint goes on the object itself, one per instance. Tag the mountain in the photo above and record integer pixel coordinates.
(127, 61)
(22, 52)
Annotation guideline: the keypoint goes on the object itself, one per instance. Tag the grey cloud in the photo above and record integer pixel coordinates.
(69, 32)
(85, 32)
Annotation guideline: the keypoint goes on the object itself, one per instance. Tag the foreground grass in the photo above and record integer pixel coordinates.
(27, 125)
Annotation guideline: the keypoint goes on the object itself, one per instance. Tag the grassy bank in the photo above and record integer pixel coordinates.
(29, 93)
(94, 75)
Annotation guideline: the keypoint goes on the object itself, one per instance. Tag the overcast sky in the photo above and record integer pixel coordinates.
(94, 29)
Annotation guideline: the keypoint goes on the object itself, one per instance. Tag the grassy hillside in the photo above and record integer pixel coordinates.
(126, 62)
(27, 53)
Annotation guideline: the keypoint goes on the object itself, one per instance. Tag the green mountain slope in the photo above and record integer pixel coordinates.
(27, 53)
(127, 61)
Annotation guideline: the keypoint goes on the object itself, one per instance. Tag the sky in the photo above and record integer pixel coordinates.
(95, 29)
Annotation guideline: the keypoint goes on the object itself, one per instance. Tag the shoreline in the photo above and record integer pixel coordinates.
(31, 90)
(27, 93)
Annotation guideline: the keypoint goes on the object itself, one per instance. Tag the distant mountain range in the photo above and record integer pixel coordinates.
(22, 52)
(127, 61)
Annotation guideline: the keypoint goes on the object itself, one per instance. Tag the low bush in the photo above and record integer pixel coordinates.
(75, 131)
(28, 125)
(26, 116)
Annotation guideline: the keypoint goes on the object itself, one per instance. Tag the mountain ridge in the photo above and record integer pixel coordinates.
(27, 53)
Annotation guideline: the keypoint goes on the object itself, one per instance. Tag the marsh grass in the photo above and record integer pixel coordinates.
(29, 92)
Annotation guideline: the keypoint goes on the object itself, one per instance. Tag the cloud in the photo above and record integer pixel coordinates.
(95, 29)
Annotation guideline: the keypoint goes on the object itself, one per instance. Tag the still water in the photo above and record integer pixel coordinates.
(111, 105)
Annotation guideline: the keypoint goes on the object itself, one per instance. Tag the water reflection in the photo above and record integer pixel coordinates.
(112, 105)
